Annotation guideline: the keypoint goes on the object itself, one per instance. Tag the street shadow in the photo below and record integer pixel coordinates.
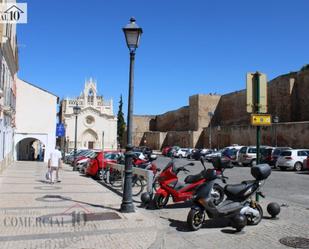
(111, 188)
(232, 231)
(186, 204)
(303, 173)
(270, 218)
(95, 205)
(182, 226)
(43, 181)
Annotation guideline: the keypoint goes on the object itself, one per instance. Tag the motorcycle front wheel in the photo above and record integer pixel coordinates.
(160, 201)
(195, 219)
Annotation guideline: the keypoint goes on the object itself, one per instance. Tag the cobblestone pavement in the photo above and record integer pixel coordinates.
(35, 214)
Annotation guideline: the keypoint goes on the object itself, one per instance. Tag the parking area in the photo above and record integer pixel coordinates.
(288, 188)
(285, 186)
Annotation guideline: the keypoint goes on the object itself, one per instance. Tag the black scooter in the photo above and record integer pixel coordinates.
(239, 205)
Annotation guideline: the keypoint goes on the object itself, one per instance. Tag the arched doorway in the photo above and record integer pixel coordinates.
(89, 139)
(30, 149)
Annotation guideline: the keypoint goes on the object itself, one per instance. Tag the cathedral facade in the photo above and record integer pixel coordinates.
(96, 123)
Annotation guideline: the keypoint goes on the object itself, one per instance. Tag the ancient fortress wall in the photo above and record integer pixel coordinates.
(288, 97)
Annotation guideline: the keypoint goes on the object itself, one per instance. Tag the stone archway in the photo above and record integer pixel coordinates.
(89, 139)
(30, 149)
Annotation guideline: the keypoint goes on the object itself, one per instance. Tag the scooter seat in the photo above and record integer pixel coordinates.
(228, 206)
(237, 189)
(194, 178)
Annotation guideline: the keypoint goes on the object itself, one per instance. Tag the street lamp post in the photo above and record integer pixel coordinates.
(210, 114)
(218, 138)
(276, 121)
(132, 34)
(76, 111)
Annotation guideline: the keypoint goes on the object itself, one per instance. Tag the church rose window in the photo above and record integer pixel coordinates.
(89, 120)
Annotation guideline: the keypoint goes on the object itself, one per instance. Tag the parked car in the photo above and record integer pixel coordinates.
(139, 155)
(201, 153)
(266, 155)
(181, 152)
(190, 153)
(165, 150)
(210, 156)
(231, 153)
(247, 155)
(172, 151)
(78, 153)
(145, 150)
(234, 153)
(306, 163)
(292, 159)
(67, 156)
(81, 164)
(83, 155)
(99, 161)
(275, 154)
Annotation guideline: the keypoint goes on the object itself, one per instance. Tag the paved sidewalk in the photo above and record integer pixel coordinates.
(35, 214)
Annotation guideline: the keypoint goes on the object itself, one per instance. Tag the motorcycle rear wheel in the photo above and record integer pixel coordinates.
(195, 219)
(219, 191)
(255, 220)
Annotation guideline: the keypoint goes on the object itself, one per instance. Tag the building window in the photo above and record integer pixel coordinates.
(90, 97)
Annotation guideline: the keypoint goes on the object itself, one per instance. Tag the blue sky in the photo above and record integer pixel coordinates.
(188, 46)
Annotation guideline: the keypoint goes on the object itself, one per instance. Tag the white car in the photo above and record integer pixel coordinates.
(292, 159)
(181, 152)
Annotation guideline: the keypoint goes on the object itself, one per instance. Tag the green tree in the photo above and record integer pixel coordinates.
(121, 125)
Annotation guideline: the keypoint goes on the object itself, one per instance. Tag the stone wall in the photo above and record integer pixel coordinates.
(177, 120)
(295, 135)
(141, 124)
(300, 96)
(199, 107)
(288, 97)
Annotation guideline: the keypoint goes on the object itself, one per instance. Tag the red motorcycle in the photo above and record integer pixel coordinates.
(171, 186)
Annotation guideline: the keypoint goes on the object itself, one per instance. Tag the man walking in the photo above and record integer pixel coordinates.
(54, 164)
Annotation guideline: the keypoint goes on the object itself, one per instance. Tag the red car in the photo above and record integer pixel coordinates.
(306, 163)
(99, 161)
(165, 150)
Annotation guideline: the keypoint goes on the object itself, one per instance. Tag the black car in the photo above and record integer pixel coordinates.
(197, 154)
(266, 155)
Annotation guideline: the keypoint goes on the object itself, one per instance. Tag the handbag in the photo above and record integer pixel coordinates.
(48, 175)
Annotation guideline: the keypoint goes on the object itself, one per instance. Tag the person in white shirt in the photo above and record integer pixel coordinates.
(54, 163)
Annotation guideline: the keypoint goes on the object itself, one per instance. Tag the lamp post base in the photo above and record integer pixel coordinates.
(127, 202)
(127, 208)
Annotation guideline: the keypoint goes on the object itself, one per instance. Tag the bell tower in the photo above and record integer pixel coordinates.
(90, 92)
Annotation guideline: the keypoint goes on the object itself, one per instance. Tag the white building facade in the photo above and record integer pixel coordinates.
(36, 118)
(8, 72)
(96, 123)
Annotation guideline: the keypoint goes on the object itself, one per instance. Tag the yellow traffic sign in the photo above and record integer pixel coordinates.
(261, 119)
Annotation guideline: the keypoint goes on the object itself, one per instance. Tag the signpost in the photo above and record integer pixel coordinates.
(60, 130)
(260, 119)
(257, 104)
